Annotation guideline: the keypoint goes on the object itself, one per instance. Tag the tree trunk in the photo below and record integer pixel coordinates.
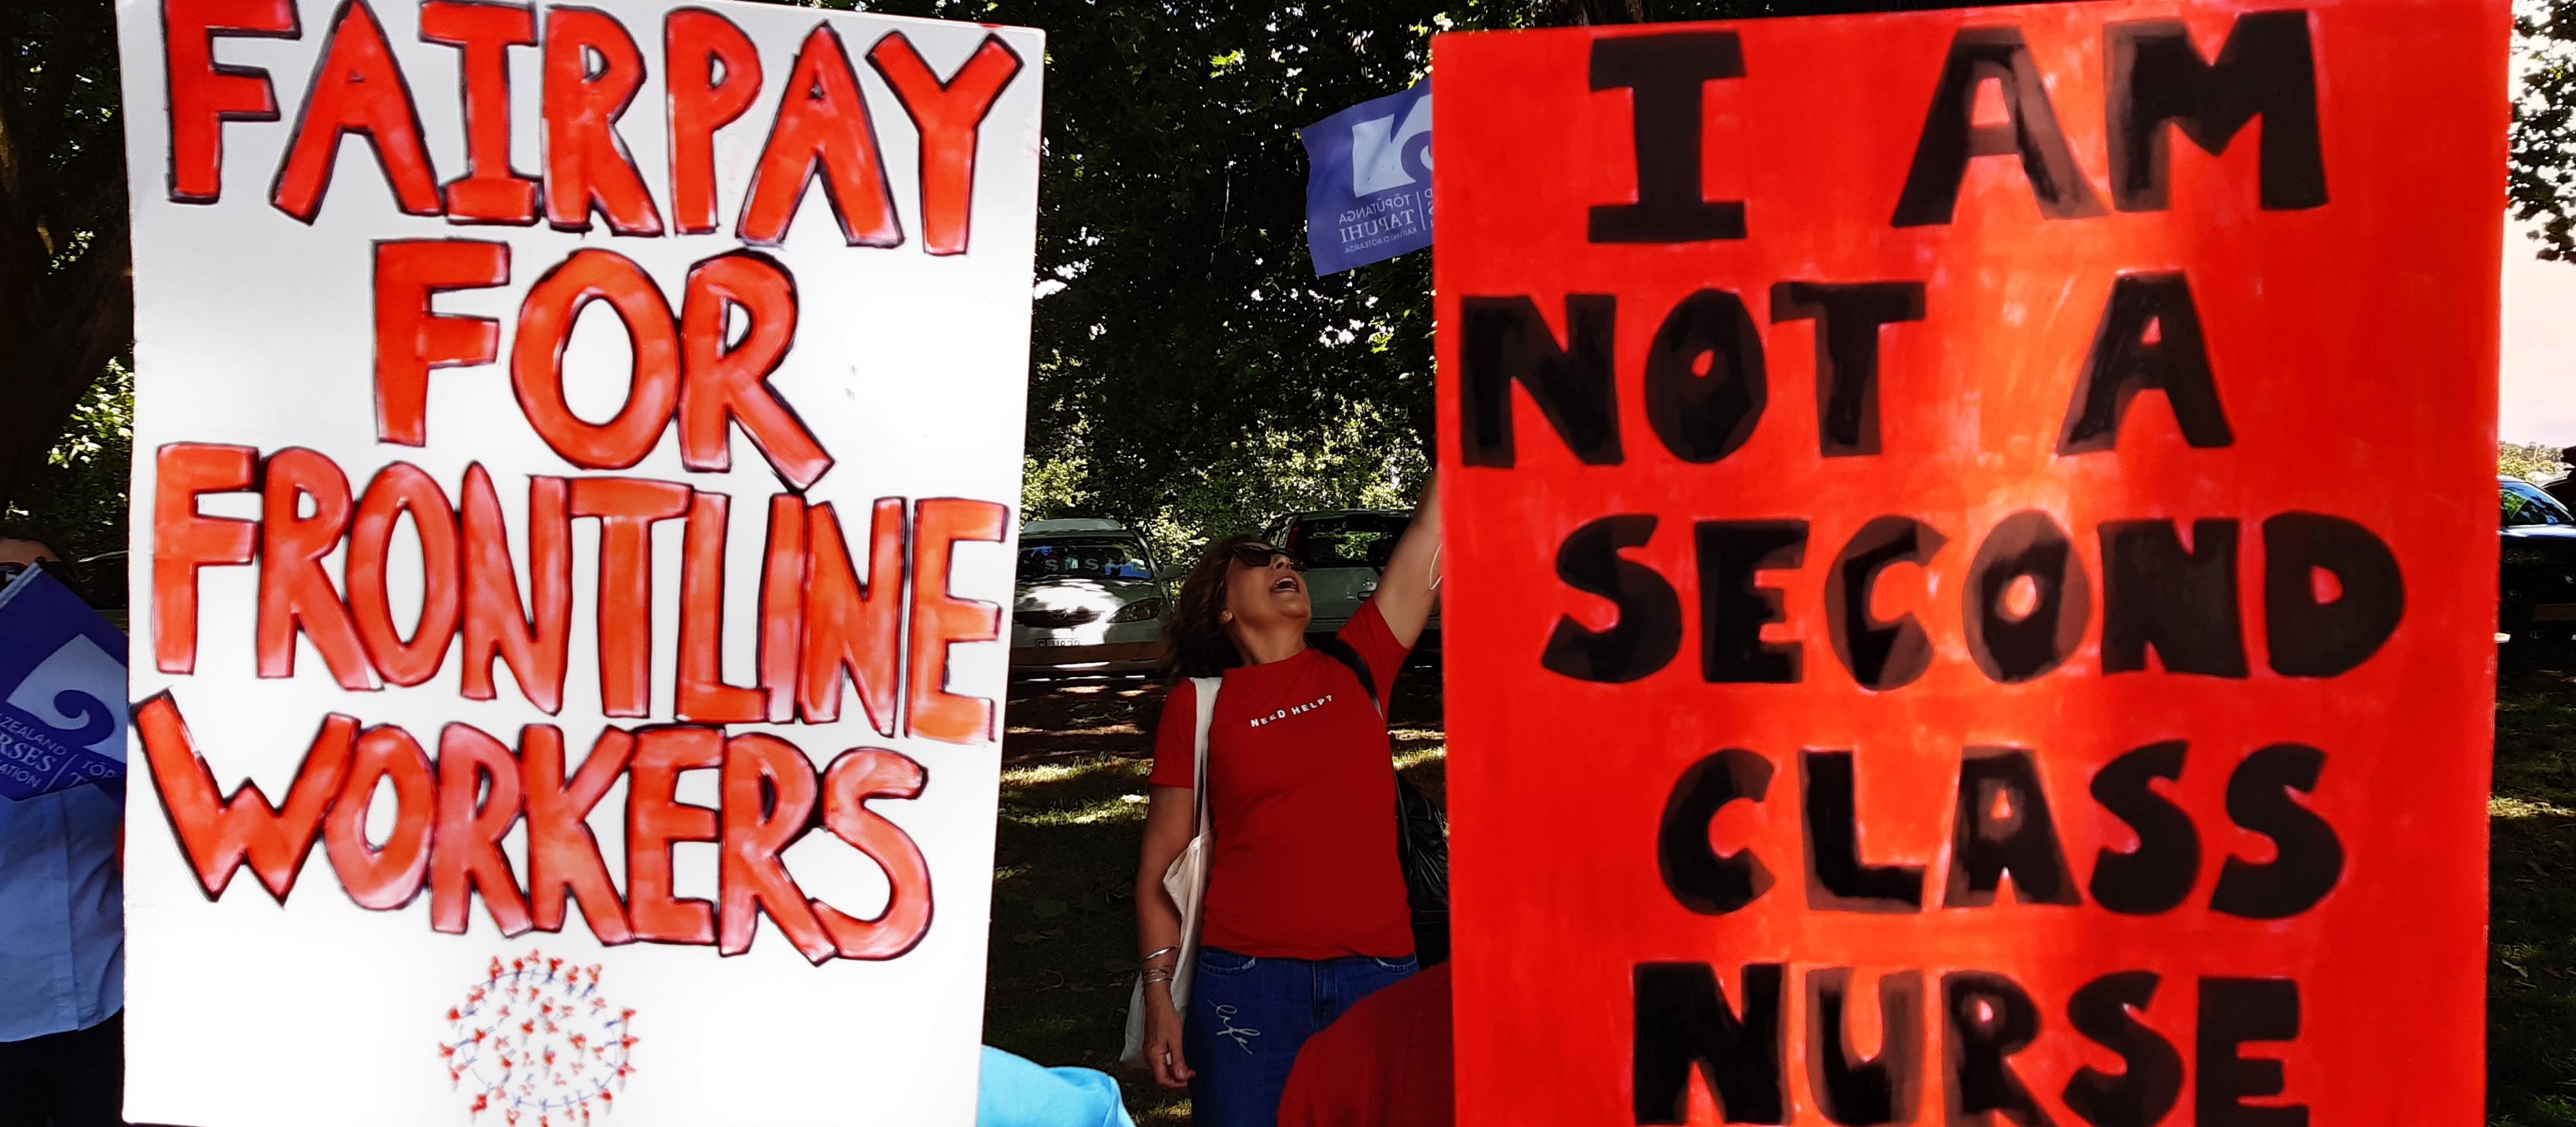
(63, 331)
(60, 321)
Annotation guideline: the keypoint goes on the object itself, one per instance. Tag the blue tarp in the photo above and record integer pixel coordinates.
(1018, 1093)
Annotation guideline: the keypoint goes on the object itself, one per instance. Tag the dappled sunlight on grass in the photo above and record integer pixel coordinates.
(1076, 792)
(2531, 979)
(2502, 806)
(1063, 772)
(1118, 809)
(1105, 729)
(1168, 1113)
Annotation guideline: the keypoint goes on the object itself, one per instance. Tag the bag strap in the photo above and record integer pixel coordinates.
(1341, 651)
(1204, 688)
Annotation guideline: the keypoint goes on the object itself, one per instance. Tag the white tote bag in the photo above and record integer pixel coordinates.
(1186, 880)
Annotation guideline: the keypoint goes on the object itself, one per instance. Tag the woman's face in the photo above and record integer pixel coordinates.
(1272, 594)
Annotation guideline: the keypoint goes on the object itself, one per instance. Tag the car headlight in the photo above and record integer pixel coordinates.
(1142, 610)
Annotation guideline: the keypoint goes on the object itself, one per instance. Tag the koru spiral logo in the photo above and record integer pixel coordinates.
(538, 1043)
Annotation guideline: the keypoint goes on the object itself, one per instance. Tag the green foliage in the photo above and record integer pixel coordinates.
(1190, 373)
(1360, 461)
(66, 307)
(1052, 487)
(2527, 460)
(1357, 462)
(64, 152)
(2541, 180)
(79, 493)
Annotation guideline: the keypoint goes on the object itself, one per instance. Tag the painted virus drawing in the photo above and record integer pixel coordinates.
(538, 1044)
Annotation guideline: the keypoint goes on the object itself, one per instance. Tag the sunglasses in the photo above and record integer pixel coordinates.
(1260, 555)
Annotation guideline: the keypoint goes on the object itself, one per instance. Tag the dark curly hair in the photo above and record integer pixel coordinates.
(1200, 646)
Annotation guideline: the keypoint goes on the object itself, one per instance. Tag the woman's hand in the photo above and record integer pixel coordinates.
(1170, 820)
(1163, 1039)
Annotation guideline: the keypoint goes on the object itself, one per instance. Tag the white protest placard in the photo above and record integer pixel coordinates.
(576, 460)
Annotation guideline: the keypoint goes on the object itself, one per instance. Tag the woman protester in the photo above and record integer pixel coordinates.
(1305, 911)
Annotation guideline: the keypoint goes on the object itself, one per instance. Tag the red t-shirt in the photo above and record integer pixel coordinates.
(1302, 799)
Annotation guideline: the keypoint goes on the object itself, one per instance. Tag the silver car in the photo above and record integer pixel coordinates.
(1344, 552)
(1090, 600)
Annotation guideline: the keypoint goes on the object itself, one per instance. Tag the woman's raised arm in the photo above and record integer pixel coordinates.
(1410, 587)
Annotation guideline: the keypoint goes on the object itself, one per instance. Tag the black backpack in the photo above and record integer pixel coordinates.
(1421, 836)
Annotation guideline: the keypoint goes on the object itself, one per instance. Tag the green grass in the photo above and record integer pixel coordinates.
(1073, 811)
(1064, 946)
(2531, 980)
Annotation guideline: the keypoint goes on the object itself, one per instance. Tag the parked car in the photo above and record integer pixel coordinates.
(1345, 552)
(103, 577)
(1090, 600)
(2561, 489)
(2537, 596)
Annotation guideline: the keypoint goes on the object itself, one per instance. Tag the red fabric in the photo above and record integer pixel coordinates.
(1386, 1063)
(1303, 801)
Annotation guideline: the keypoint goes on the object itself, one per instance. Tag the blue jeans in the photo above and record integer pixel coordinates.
(1249, 1016)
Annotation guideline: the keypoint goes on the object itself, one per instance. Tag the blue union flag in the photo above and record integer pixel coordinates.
(1368, 195)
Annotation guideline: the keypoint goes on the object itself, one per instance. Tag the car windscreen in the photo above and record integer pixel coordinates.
(1359, 540)
(2526, 505)
(1102, 558)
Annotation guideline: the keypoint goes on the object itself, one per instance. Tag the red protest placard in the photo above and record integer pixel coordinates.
(1970, 564)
